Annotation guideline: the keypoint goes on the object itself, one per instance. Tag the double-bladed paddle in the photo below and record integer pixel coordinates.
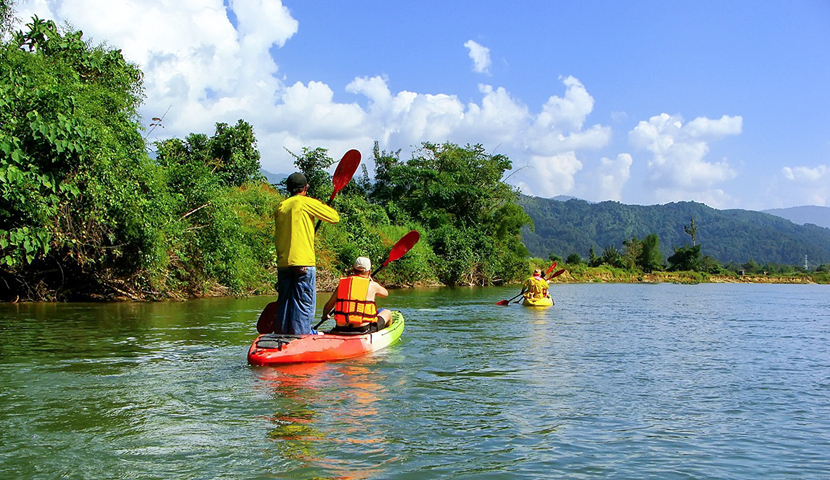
(342, 175)
(398, 250)
(507, 302)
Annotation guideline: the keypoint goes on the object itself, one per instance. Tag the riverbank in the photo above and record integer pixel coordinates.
(603, 275)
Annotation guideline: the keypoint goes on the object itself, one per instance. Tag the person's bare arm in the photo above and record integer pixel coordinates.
(329, 306)
(379, 290)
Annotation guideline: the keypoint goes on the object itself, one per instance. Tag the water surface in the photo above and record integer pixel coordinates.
(614, 381)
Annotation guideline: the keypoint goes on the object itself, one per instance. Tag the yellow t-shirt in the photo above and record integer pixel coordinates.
(535, 287)
(294, 229)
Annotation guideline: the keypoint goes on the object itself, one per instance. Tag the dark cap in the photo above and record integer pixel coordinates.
(295, 182)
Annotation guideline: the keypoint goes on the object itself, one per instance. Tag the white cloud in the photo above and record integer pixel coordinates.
(808, 186)
(552, 175)
(480, 56)
(611, 176)
(196, 63)
(678, 169)
(207, 68)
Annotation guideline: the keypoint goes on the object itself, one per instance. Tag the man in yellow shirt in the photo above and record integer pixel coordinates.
(535, 287)
(296, 263)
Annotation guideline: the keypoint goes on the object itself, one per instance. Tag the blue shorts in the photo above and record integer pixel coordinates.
(296, 301)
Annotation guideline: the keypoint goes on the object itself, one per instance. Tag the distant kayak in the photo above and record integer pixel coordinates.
(540, 302)
(275, 349)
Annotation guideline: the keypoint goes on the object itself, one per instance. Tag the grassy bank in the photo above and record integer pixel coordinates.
(606, 274)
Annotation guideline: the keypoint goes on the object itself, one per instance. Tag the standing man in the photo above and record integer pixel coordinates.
(296, 263)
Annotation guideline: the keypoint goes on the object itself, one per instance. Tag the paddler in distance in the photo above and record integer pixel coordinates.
(535, 287)
(296, 262)
(353, 303)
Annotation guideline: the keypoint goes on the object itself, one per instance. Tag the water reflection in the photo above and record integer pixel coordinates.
(327, 418)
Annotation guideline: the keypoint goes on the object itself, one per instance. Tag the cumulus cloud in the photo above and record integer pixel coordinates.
(480, 56)
(551, 175)
(209, 63)
(611, 176)
(808, 186)
(197, 64)
(678, 169)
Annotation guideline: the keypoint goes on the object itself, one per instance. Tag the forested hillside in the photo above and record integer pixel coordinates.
(729, 236)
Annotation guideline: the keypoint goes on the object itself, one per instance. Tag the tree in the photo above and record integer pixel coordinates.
(685, 258)
(72, 161)
(313, 164)
(632, 251)
(691, 229)
(234, 153)
(458, 196)
(650, 258)
(7, 18)
(612, 257)
(593, 261)
(574, 259)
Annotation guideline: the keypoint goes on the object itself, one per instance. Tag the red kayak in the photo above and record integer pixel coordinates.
(275, 349)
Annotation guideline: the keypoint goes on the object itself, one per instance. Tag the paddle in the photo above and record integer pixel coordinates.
(342, 175)
(265, 324)
(507, 302)
(398, 250)
(559, 272)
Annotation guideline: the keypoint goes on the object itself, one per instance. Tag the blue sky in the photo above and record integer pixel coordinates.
(641, 102)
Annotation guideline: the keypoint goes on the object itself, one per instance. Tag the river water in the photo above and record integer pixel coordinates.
(614, 381)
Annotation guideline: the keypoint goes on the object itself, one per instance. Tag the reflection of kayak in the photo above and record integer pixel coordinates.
(538, 302)
(272, 349)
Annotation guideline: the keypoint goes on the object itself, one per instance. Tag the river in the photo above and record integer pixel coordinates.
(622, 381)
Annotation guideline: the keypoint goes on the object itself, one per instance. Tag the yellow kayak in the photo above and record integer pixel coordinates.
(537, 302)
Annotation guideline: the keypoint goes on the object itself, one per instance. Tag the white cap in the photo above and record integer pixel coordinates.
(363, 264)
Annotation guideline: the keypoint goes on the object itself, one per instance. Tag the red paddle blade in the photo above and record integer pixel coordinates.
(404, 245)
(265, 324)
(559, 272)
(345, 170)
(503, 302)
(550, 269)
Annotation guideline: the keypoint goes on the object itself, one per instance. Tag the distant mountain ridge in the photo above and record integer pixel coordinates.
(803, 215)
(729, 236)
(273, 178)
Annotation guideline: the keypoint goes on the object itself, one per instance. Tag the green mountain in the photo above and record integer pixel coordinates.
(574, 226)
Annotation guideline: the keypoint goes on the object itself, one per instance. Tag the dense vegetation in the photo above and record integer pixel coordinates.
(89, 210)
(727, 236)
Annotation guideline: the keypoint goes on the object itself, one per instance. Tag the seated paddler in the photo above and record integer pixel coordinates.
(353, 303)
(535, 287)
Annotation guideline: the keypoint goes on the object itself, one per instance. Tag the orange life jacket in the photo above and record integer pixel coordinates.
(352, 308)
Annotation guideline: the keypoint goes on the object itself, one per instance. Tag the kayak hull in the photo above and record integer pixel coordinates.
(541, 302)
(272, 349)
